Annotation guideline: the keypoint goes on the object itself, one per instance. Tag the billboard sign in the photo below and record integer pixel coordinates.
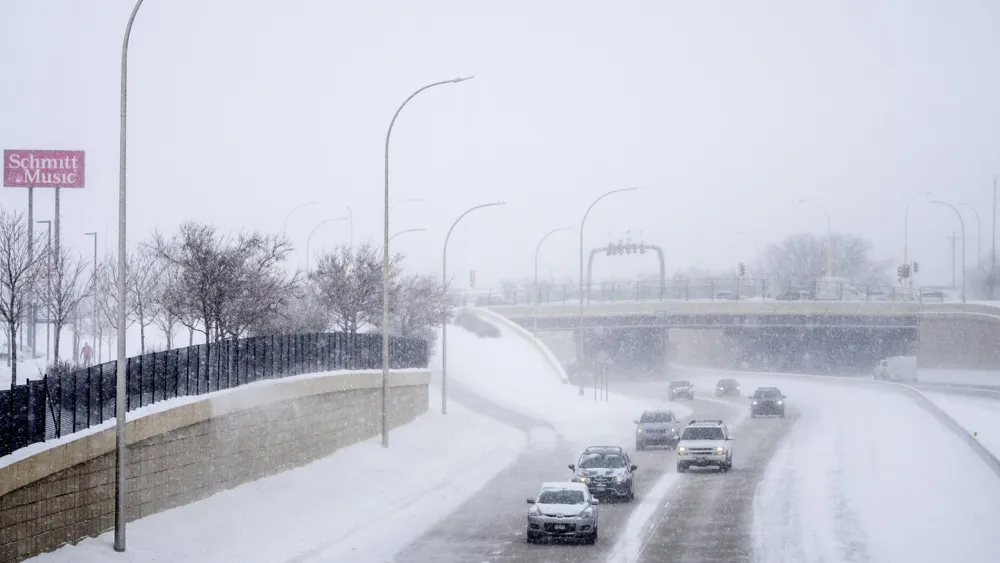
(42, 169)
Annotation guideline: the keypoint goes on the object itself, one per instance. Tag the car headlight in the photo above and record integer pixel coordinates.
(619, 479)
(581, 478)
(755, 402)
(587, 512)
(681, 450)
(779, 402)
(534, 511)
(720, 450)
(674, 430)
(638, 430)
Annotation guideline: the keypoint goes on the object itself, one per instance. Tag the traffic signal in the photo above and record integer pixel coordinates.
(916, 267)
(472, 278)
(642, 248)
(611, 249)
(899, 272)
(743, 269)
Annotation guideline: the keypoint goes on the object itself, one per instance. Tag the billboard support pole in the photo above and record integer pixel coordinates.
(31, 257)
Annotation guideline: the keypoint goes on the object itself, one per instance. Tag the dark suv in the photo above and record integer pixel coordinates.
(727, 388)
(681, 388)
(767, 401)
(606, 470)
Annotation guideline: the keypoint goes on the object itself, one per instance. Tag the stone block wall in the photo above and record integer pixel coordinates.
(202, 448)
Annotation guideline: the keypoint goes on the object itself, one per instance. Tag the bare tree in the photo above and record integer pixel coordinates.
(63, 290)
(348, 283)
(228, 284)
(801, 259)
(420, 305)
(20, 272)
(144, 270)
(165, 316)
(107, 293)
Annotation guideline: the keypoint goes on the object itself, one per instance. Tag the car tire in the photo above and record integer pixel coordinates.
(631, 494)
(530, 537)
(591, 539)
(640, 446)
(681, 468)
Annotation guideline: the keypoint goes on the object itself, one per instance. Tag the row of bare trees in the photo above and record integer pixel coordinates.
(214, 285)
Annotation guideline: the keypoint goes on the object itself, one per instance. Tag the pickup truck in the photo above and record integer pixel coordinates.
(901, 369)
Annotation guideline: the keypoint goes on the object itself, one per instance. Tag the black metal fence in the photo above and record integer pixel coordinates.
(60, 404)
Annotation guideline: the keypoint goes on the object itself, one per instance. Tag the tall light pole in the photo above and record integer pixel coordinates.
(906, 234)
(93, 288)
(385, 262)
(829, 236)
(993, 251)
(311, 233)
(120, 450)
(537, 248)
(962, 223)
(579, 347)
(48, 285)
(284, 227)
(444, 321)
(979, 235)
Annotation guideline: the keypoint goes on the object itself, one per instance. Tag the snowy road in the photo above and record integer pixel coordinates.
(490, 526)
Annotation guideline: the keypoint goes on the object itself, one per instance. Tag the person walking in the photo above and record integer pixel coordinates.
(86, 353)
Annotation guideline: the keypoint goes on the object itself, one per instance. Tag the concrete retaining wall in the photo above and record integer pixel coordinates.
(187, 453)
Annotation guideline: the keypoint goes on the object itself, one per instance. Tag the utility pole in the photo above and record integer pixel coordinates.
(954, 238)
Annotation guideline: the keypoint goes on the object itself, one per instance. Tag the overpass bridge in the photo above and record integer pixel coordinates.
(842, 334)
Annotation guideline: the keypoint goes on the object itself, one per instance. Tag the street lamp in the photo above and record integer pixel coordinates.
(979, 235)
(444, 321)
(311, 233)
(350, 227)
(385, 262)
(407, 200)
(906, 234)
(284, 227)
(829, 236)
(402, 232)
(579, 348)
(962, 223)
(538, 297)
(93, 290)
(48, 284)
(120, 450)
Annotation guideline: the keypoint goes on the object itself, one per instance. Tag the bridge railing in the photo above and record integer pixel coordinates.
(63, 403)
(707, 289)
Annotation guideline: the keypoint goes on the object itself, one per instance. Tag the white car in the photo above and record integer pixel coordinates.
(563, 510)
(705, 443)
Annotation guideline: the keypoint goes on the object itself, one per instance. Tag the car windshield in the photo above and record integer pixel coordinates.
(725, 382)
(767, 394)
(561, 496)
(656, 417)
(680, 384)
(703, 434)
(602, 461)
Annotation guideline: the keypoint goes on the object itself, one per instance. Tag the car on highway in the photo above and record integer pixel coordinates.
(657, 428)
(680, 388)
(767, 401)
(705, 443)
(606, 470)
(727, 388)
(563, 510)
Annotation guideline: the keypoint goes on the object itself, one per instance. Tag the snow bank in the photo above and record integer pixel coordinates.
(509, 371)
(540, 347)
(867, 475)
(361, 504)
(980, 417)
(959, 377)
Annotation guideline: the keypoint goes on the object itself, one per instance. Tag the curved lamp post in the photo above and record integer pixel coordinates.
(385, 263)
(829, 236)
(537, 294)
(579, 348)
(311, 233)
(961, 222)
(444, 321)
(120, 451)
(979, 235)
(284, 226)
(402, 232)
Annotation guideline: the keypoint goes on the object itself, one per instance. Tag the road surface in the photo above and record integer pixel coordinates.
(708, 517)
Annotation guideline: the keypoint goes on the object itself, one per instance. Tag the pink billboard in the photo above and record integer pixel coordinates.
(42, 169)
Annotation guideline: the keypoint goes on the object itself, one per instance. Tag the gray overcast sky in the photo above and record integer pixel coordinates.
(726, 113)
